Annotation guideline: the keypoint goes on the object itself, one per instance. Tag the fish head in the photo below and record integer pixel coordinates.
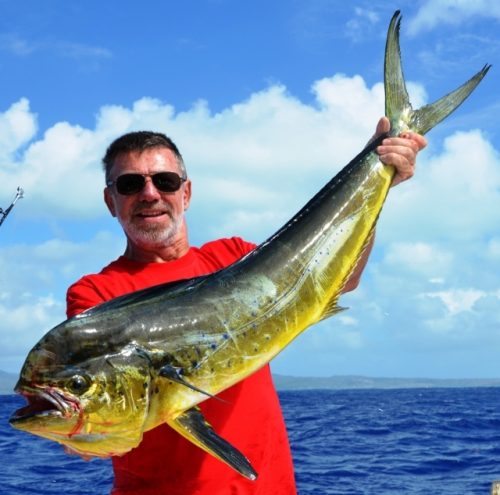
(96, 406)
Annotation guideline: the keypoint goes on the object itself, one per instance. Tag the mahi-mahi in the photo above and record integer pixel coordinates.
(97, 381)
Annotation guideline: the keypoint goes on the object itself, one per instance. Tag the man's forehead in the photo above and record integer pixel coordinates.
(151, 159)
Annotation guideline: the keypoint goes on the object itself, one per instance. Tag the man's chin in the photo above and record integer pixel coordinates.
(151, 237)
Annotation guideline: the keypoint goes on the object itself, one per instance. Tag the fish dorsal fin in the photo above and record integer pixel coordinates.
(166, 290)
(192, 425)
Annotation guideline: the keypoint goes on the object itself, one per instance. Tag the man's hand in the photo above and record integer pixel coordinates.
(400, 152)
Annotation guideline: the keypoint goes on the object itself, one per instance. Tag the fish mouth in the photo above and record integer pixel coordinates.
(43, 404)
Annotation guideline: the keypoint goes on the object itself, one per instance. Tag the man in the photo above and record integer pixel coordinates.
(148, 191)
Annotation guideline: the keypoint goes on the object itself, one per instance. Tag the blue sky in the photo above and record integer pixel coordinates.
(266, 100)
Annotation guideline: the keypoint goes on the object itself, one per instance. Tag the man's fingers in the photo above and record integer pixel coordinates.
(383, 126)
(415, 138)
(401, 161)
(401, 153)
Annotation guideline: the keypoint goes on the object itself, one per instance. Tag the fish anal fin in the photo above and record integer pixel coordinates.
(192, 425)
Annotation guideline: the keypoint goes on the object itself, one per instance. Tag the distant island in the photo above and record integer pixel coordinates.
(284, 382)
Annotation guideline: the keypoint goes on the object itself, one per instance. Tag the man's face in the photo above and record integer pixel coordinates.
(150, 218)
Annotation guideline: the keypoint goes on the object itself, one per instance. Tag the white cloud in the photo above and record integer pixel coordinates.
(331, 335)
(493, 249)
(268, 150)
(362, 23)
(250, 143)
(80, 50)
(255, 224)
(421, 258)
(23, 47)
(16, 45)
(454, 195)
(50, 266)
(33, 284)
(468, 318)
(457, 300)
(23, 324)
(433, 13)
(348, 320)
(17, 127)
(369, 15)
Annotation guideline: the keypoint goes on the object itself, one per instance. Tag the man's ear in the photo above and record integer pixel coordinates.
(108, 199)
(186, 194)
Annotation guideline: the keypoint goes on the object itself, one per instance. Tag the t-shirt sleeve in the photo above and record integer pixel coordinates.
(80, 296)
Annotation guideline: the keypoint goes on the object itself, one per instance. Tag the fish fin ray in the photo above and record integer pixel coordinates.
(331, 309)
(192, 425)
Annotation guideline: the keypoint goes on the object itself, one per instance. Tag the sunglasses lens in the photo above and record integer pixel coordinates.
(167, 181)
(130, 184)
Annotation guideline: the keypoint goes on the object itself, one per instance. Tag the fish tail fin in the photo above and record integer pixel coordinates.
(397, 103)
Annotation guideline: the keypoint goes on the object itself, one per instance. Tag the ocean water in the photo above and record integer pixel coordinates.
(412, 441)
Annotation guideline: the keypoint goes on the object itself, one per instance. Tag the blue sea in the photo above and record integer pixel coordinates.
(408, 441)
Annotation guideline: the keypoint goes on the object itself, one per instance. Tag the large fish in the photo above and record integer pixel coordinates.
(97, 381)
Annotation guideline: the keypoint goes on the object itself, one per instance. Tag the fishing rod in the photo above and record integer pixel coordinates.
(19, 195)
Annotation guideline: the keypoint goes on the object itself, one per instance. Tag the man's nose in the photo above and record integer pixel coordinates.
(149, 191)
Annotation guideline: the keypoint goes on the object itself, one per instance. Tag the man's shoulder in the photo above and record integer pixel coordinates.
(116, 266)
(97, 281)
(226, 250)
(113, 280)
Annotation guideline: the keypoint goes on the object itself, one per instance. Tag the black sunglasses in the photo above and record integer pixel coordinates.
(128, 184)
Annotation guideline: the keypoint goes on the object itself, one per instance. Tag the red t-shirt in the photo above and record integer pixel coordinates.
(249, 417)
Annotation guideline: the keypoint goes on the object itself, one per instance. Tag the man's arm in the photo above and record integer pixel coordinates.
(355, 277)
(400, 152)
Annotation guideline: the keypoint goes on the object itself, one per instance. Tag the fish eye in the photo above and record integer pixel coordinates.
(78, 384)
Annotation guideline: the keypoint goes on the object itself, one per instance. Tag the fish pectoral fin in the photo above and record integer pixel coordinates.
(192, 425)
(174, 374)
